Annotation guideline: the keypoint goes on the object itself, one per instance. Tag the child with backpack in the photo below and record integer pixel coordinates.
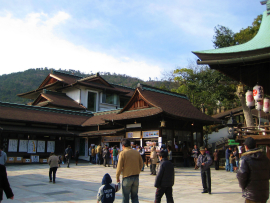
(106, 193)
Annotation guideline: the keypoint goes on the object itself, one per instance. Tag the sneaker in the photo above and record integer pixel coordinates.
(50, 181)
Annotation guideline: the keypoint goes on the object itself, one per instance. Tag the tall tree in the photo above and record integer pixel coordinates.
(223, 37)
(203, 86)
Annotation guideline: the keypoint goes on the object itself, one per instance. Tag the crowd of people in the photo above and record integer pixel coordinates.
(253, 172)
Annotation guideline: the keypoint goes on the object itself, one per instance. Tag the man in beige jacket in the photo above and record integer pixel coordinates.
(53, 162)
(130, 164)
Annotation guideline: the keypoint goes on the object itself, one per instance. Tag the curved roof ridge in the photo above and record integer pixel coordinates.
(260, 41)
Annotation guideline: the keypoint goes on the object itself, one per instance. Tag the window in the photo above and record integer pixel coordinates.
(109, 98)
(92, 101)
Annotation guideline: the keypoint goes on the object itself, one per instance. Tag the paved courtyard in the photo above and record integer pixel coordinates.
(30, 183)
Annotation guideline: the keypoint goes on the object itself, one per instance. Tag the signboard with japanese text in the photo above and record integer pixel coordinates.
(12, 145)
(150, 134)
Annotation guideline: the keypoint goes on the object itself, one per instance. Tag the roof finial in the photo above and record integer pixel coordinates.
(267, 2)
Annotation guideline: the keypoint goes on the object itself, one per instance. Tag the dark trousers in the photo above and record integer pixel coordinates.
(206, 180)
(153, 169)
(217, 165)
(106, 161)
(90, 159)
(160, 192)
(68, 159)
(52, 171)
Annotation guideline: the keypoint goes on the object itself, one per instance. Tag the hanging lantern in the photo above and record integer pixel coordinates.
(266, 105)
(249, 99)
(258, 93)
(259, 105)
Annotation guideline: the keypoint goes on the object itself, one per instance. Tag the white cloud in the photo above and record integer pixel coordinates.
(33, 42)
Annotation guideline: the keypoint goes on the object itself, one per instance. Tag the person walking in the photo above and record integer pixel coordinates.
(227, 156)
(53, 162)
(77, 154)
(232, 162)
(153, 158)
(142, 153)
(169, 148)
(129, 164)
(164, 179)
(236, 155)
(4, 184)
(254, 173)
(98, 158)
(115, 153)
(106, 156)
(106, 193)
(204, 161)
(3, 156)
(93, 155)
(90, 154)
(195, 154)
(69, 154)
(216, 159)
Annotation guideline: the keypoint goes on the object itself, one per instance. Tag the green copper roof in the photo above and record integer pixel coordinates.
(260, 41)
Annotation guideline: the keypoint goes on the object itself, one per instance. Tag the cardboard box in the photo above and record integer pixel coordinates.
(18, 159)
(26, 160)
(43, 161)
(10, 159)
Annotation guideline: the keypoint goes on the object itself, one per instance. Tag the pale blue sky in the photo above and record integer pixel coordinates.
(137, 38)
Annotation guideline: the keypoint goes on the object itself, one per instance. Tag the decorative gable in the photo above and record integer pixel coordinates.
(49, 80)
(137, 102)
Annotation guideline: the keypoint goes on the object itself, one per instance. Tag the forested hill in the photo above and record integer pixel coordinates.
(21, 82)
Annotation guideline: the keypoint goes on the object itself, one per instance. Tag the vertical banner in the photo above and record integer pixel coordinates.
(12, 145)
(32, 146)
(40, 146)
(23, 146)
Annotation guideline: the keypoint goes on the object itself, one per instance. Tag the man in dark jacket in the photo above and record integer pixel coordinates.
(227, 156)
(204, 161)
(68, 155)
(106, 156)
(4, 184)
(254, 173)
(142, 153)
(164, 179)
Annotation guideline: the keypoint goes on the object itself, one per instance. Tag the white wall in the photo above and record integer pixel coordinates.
(74, 94)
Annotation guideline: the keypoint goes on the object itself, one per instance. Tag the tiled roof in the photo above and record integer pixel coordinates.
(176, 106)
(59, 100)
(260, 42)
(24, 113)
(100, 119)
(124, 89)
(103, 87)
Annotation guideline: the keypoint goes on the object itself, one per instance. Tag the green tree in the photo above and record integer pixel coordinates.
(205, 86)
(223, 37)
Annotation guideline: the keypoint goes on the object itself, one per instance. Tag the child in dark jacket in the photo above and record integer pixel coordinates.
(106, 193)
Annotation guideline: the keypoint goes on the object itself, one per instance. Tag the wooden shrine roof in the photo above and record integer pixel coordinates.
(103, 118)
(247, 63)
(34, 114)
(56, 100)
(259, 45)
